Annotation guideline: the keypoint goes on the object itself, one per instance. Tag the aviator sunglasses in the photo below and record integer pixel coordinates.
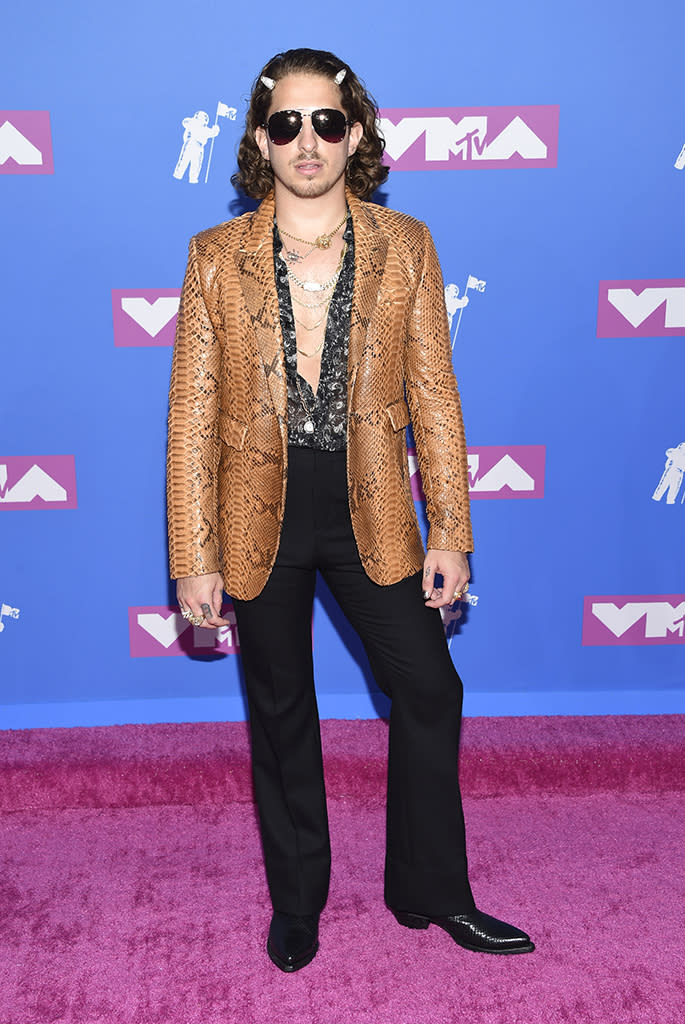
(285, 125)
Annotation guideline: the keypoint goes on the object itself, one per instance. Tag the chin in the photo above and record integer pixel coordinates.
(312, 188)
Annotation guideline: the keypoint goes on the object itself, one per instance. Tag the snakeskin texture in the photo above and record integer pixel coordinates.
(227, 452)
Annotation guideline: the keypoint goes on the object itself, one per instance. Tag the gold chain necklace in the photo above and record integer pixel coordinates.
(310, 305)
(322, 242)
(313, 326)
(310, 355)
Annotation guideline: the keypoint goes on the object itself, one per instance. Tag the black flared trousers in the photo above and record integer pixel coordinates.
(425, 866)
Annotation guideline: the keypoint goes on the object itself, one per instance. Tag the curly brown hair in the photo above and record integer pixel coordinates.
(365, 170)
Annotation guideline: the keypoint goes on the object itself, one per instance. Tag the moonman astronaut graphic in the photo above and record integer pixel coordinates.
(453, 302)
(195, 136)
(672, 476)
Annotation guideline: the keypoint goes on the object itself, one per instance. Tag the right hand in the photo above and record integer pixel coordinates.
(203, 595)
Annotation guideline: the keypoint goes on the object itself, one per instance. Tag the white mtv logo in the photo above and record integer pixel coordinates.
(166, 631)
(505, 473)
(661, 617)
(35, 483)
(466, 138)
(636, 308)
(151, 316)
(15, 145)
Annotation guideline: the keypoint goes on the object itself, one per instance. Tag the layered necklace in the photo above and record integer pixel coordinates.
(326, 287)
(323, 289)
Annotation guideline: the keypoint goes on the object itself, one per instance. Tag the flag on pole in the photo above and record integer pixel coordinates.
(473, 282)
(223, 110)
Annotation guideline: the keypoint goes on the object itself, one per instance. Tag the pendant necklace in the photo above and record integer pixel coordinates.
(322, 242)
(309, 422)
(292, 256)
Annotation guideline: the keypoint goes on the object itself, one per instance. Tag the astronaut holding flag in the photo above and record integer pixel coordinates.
(454, 302)
(196, 134)
(672, 476)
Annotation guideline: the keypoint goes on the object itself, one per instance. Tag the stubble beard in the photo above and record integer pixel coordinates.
(311, 188)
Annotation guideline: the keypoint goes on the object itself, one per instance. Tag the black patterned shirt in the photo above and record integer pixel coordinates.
(328, 408)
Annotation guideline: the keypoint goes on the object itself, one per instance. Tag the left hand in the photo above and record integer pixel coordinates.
(453, 566)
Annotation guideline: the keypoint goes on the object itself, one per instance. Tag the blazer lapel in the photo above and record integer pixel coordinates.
(255, 264)
(370, 248)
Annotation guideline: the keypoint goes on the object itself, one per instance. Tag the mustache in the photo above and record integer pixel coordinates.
(307, 156)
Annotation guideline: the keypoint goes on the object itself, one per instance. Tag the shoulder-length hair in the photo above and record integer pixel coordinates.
(365, 170)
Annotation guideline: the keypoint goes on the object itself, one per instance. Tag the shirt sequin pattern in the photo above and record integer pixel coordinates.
(328, 408)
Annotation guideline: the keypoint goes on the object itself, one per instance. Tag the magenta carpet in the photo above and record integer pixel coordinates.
(132, 892)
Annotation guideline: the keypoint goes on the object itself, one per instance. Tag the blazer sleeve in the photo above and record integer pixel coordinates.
(192, 451)
(435, 408)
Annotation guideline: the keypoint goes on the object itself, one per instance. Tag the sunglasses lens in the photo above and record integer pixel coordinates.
(284, 126)
(330, 125)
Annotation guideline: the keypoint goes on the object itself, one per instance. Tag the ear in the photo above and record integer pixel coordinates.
(356, 132)
(262, 142)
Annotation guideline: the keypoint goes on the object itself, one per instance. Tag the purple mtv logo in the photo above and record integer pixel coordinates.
(630, 620)
(450, 138)
(496, 471)
(144, 316)
(25, 142)
(641, 309)
(161, 631)
(37, 481)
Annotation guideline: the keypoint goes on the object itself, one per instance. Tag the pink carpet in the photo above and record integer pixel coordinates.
(132, 891)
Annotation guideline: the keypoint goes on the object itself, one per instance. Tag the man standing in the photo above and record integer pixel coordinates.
(309, 332)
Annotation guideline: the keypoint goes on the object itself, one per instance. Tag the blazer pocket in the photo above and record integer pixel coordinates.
(399, 414)
(231, 431)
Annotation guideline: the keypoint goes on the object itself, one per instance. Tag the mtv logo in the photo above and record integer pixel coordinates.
(641, 309)
(451, 138)
(634, 620)
(496, 471)
(144, 316)
(37, 482)
(161, 631)
(25, 142)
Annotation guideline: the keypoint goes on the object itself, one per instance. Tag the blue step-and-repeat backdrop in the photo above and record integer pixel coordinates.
(544, 145)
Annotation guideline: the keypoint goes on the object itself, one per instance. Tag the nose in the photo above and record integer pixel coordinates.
(307, 138)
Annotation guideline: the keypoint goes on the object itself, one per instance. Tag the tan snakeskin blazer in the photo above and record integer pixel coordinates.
(227, 454)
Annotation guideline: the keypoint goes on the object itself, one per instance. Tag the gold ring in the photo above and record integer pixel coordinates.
(196, 619)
